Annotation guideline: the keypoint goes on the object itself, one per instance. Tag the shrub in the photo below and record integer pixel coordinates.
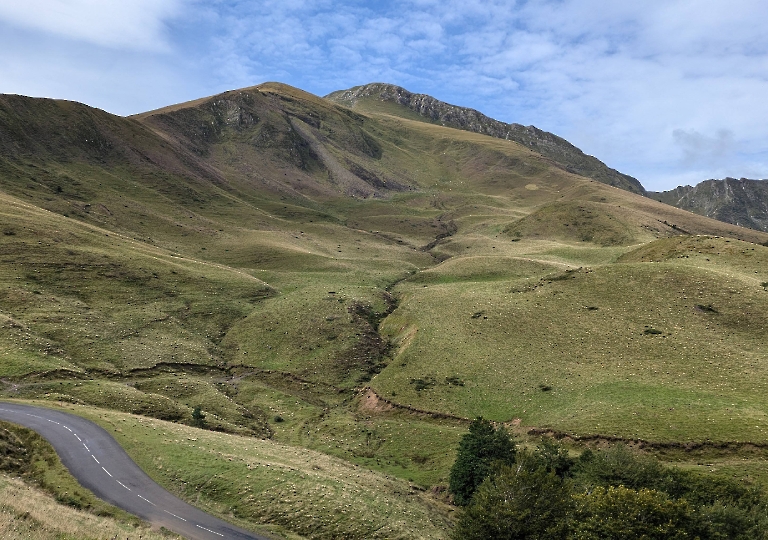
(620, 512)
(553, 458)
(478, 451)
(198, 418)
(423, 384)
(517, 503)
(618, 466)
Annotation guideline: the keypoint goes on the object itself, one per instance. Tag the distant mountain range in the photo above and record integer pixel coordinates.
(741, 202)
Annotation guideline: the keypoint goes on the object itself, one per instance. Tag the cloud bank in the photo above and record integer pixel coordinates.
(132, 24)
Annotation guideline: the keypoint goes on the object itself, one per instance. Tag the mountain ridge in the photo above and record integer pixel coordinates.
(550, 145)
(742, 202)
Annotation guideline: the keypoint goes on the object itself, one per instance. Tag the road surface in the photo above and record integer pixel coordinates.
(100, 464)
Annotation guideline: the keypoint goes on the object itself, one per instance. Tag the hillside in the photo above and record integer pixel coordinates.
(356, 284)
(399, 101)
(742, 202)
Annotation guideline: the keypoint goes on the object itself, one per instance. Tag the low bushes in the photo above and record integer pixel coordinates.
(604, 494)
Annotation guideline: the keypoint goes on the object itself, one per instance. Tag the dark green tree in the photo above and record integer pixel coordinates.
(627, 514)
(518, 503)
(198, 418)
(479, 451)
(553, 457)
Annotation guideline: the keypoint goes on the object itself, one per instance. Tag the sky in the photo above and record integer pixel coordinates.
(672, 92)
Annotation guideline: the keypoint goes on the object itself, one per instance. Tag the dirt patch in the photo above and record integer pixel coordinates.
(687, 446)
(370, 402)
(383, 402)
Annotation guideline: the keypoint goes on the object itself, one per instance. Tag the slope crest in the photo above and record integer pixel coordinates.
(579, 221)
(547, 144)
(734, 253)
(274, 128)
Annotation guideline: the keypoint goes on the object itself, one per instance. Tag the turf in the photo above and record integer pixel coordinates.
(593, 349)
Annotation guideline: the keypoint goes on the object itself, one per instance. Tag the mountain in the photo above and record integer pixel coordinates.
(338, 290)
(742, 202)
(389, 98)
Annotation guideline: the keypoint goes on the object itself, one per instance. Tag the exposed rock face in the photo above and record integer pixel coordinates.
(556, 148)
(742, 202)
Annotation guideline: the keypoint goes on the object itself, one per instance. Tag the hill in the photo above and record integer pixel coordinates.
(400, 102)
(742, 202)
(359, 283)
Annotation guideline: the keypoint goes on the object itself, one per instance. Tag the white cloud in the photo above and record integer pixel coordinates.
(132, 24)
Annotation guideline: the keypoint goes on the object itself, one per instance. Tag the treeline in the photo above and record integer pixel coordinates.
(512, 493)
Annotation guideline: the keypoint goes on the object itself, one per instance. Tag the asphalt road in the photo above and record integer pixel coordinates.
(100, 464)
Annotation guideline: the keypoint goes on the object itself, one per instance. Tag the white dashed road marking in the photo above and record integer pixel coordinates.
(209, 530)
(126, 487)
(174, 515)
(150, 502)
(78, 437)
(86, 447)
(94, 458)
(106, 471)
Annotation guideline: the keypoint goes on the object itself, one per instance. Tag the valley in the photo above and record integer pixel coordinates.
(339, 290)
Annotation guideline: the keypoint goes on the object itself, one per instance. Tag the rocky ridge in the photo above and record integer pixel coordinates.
(547, 144)
(742, 202)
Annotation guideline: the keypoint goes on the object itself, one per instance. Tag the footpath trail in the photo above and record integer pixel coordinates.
(101, 465)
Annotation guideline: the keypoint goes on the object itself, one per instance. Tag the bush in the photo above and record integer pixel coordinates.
(517, 503)
(619, 512)
(618, 466)
(722, 508)
(554, 458)
(479, 450)
(198, 418)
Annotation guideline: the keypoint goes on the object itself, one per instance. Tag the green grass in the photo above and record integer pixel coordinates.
(237, 268)
(583, 334)
(264, 482)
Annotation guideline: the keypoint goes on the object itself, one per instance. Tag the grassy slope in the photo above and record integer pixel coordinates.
(225, 271)
(584, 333)
(251, 480)
(27, 512)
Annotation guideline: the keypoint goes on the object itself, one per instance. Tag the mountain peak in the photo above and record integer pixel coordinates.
(740, 201)
(370, 97)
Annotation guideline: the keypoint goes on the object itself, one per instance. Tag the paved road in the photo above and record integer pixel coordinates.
(100, 464)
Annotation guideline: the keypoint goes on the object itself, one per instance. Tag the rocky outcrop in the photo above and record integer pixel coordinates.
(741, 202)
(433, 110)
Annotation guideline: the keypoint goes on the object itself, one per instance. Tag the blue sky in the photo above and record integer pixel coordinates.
(670, 91)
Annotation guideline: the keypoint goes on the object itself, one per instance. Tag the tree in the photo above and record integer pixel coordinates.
(619, 512)
(479, 451)
(198, 418)
(554, 457)
(518, 503)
